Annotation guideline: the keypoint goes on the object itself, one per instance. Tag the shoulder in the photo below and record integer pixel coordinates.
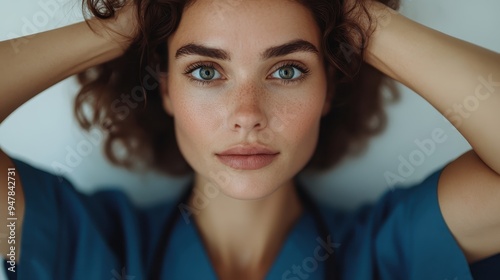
(104, 228)
(394, 203)
(469, 193)
(402, 233)
(46, 190)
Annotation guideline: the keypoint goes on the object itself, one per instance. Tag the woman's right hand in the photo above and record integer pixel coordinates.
(121, 28)
(32, 64)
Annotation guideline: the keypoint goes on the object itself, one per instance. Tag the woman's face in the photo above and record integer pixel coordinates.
(245, 74)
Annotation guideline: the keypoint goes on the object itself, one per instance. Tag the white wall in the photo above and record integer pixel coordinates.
(43, 130)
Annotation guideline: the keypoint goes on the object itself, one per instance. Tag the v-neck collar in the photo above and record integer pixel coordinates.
(187, 257)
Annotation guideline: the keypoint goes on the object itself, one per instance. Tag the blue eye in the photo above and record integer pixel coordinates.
(205, 73)
(289, 72)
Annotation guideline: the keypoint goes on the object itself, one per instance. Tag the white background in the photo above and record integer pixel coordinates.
(43, 130)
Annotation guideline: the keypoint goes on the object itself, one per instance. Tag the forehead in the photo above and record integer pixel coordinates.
(243, 24)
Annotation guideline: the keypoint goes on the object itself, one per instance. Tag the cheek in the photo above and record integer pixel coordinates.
(298, 117)
(195, 122)
(193, 113)
(302, 126)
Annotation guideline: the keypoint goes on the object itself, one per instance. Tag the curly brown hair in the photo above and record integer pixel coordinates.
(146, 131)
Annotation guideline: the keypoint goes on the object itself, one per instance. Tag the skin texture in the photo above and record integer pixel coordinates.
(248, 102)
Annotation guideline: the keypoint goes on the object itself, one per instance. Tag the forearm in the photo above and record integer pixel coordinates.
(459, 79)
(32, 64)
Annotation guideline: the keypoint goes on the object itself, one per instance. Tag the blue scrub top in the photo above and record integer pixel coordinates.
(70, 235)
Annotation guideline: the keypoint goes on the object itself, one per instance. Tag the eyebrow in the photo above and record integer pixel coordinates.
(276, 51)
(195, 49)
(288, 48)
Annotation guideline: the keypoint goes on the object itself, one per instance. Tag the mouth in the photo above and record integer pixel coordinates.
(248, 157)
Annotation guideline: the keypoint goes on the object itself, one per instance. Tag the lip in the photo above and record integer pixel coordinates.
(248, 157)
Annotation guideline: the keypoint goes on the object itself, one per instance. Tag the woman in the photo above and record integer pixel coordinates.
(247, 86)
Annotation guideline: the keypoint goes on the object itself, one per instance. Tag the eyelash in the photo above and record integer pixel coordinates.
(304, 72)
(190, 69)
(196, 66)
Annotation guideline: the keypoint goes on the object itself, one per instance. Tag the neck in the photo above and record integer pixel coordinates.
(243, 235)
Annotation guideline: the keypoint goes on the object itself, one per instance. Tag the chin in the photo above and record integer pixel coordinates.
(249, 187)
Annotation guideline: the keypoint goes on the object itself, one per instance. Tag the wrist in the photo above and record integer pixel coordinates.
(110, 34)
(382, 15)
(370, 16)
(384, 37)
(121, 29)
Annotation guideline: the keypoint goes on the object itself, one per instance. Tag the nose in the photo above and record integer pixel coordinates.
(248, 112)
